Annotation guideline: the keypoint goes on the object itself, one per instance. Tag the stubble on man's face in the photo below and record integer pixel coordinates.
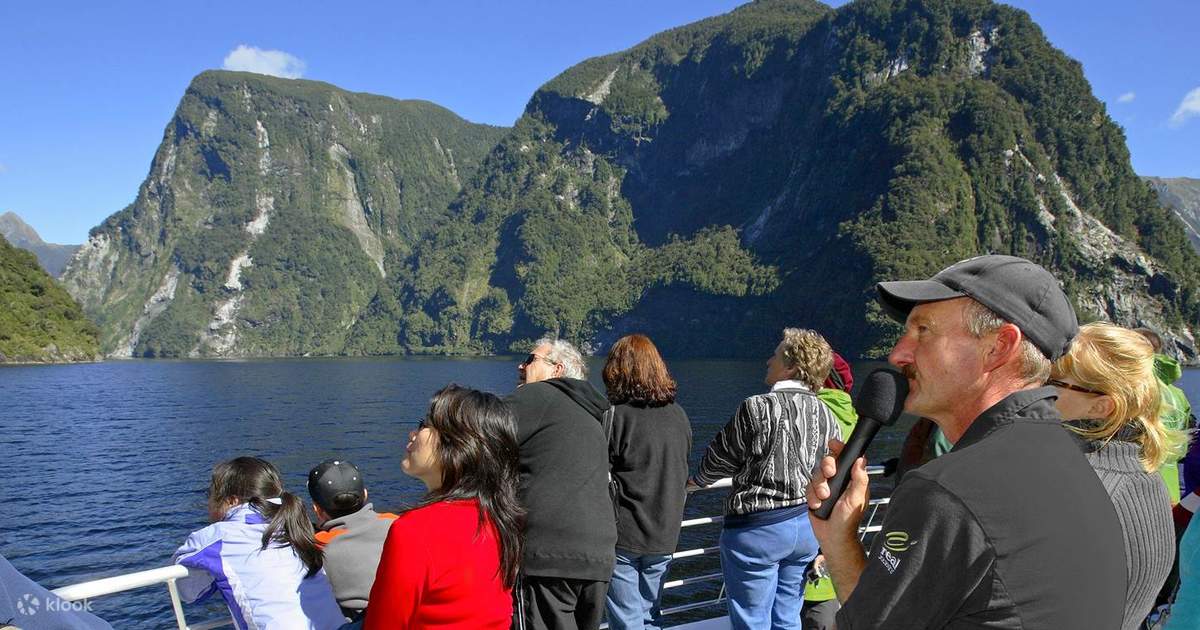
(939, 357)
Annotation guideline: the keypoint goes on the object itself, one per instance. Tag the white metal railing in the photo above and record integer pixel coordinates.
(868, 527)
(119, 583)
(169, 575)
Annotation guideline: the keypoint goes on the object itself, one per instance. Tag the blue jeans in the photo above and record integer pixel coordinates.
(764, 569)
(635, 592)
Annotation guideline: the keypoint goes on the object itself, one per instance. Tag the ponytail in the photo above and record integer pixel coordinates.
(290, 526)
(256, 482)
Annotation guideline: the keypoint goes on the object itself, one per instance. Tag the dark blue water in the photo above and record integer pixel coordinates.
(106, 465)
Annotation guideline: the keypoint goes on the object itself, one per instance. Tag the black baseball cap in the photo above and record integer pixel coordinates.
(335, 484)
(1020, 291)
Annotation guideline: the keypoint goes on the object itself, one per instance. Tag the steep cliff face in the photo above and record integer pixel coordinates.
(39, 322)
(51, 256)
(1181, 195)
(273, 214)
(882, 140)
(709, 186)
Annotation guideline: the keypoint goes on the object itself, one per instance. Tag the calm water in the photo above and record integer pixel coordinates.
(106, 464)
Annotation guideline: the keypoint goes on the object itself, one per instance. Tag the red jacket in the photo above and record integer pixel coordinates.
(439, 569)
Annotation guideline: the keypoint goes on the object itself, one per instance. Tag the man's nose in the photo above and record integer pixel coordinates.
(901, 355)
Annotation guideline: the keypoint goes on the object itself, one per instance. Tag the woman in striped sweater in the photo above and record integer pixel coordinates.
(770, 447)
(1108, 396)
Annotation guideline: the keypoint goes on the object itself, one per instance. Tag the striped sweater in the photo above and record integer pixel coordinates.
(1144, 510)
(770, 448)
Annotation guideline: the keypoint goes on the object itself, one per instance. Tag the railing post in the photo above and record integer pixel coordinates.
(176, 604)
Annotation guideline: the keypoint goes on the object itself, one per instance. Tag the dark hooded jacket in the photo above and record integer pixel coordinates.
(570, 529)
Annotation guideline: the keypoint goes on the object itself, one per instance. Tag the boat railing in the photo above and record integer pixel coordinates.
(869, 526)
(170, 575)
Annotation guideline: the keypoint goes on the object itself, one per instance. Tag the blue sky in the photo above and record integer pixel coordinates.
(88, 87)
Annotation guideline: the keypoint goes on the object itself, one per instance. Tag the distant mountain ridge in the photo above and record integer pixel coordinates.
(1182, 195)
(52, 257)
(709, 186)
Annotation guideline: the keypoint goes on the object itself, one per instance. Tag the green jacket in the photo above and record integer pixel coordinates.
(1174, 413)
(842, 407)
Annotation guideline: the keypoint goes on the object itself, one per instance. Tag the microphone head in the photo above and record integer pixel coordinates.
(882, 396)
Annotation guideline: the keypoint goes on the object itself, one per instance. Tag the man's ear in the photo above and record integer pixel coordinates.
(1005, 347)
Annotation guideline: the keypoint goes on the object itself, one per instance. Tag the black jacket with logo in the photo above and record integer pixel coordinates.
(1010, 529)
(570, 530)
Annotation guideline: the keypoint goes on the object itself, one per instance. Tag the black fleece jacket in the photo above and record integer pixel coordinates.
(570, 529)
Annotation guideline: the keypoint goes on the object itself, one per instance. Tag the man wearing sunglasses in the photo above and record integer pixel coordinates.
(1011, 528)
(570, 531)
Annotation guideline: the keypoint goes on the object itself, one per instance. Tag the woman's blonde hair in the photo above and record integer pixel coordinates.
(810, 355)
(1120, 363)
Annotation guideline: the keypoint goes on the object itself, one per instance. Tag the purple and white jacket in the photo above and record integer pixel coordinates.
(265, 589)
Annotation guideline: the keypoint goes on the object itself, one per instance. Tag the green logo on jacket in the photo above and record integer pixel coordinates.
(897, 541)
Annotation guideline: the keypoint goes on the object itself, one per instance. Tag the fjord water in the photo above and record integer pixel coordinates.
(106, 464)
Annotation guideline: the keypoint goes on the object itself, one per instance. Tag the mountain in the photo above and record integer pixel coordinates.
(39, 322)
(709, 186)
(275, 213)
(52, 257)
(882, 140)
(1182, 195)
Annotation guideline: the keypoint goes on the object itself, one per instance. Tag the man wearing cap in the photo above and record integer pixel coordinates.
(350, 531)
(1011, 528)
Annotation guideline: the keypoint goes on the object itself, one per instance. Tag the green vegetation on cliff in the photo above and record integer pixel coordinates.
(274, 212)
(39, 322)
(882, 140)
(708, 186)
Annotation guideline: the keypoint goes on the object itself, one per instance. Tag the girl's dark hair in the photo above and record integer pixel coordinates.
(477, 449)
(635, 373)
(253, 480)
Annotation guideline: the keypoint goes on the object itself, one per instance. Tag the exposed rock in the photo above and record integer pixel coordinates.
(597, 95)
(354, 210)
(158, 302)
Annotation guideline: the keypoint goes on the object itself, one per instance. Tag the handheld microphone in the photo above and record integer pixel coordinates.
(879, 404)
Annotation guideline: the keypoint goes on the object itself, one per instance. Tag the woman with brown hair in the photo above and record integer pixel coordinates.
(648, 451)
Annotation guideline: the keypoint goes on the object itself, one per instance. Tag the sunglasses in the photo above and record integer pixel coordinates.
(422, 423)
(1075, 388)
(534, 357)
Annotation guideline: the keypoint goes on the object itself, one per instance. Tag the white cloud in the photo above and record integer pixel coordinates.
(273, 62)
(3, 168)
(1188, 108)
(1126, 97)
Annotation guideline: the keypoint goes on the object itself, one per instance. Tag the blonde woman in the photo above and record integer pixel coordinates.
(1108, 394)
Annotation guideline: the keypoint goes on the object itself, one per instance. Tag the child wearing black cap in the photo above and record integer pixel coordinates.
(350, 531)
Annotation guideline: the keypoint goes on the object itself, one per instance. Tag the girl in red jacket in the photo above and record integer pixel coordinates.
(451, 561)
